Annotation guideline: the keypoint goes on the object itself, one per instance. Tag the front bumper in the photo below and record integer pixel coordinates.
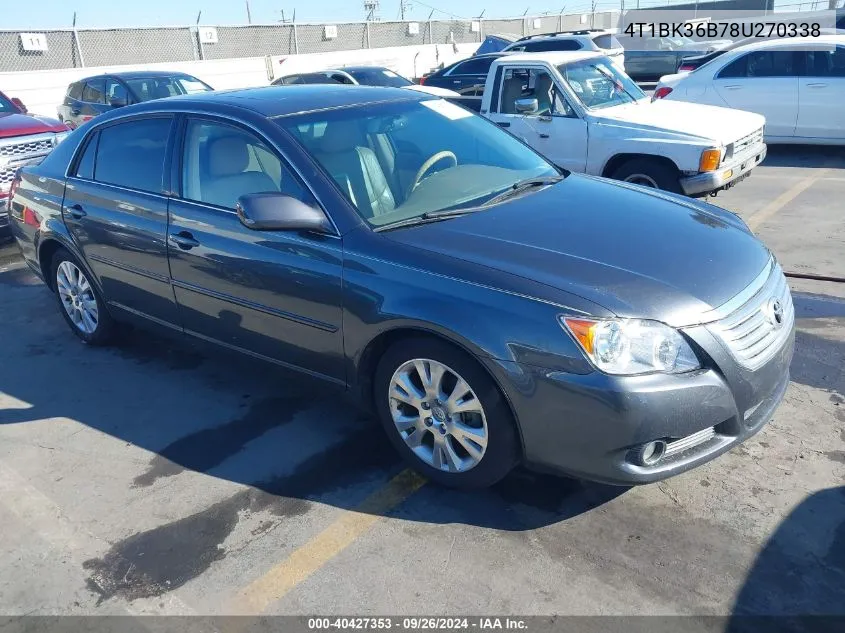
(590, 426)
(726, 176)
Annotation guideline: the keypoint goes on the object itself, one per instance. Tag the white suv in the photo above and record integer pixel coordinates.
(600, 40)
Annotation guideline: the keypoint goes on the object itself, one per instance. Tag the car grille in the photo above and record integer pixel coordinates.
(17, 151)
(747, 142)
(752, 333)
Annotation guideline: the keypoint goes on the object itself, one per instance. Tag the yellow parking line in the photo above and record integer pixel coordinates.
(311, 556)
(764, 214)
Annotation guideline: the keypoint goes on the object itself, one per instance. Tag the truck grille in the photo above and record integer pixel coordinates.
(744, 144)
(18, 151)
(756, 331)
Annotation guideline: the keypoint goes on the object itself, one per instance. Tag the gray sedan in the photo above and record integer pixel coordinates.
(491, 308)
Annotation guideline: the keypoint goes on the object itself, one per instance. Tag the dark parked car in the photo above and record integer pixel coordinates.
(490, 307)
(93, 96)
(465, 77)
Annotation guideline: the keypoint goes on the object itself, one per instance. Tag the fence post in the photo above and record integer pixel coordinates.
(194, 42)
(367, 32)
(480, 30)
(430, 32)
(78, 47)
(295, 40)
(524, 27)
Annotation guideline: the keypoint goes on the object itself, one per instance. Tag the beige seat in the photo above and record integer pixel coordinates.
(355, 167)
(511, 92)
(225, 178)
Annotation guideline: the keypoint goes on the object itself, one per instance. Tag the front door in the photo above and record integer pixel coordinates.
(273, 294)
(821, 94)
(555, 129)
(116, 211)
(765, 82)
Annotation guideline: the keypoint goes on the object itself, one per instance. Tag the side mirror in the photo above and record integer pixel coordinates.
(117, 103)
(278, 212)
(527, 106)
(19, 104)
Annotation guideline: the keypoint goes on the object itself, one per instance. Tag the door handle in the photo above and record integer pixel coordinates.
(817, 85)
(76, 211)
(733, 87)
(543, 135)
(503, 123)
(184, 240)
(75, 111)
(456, 81)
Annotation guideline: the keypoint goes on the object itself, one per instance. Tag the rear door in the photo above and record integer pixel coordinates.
(821, 94)
(116, 210)
(272, 294)
(765, 82)
(93, 101)
(468, 77)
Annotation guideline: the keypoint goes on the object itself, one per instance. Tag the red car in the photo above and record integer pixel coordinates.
(24, 139)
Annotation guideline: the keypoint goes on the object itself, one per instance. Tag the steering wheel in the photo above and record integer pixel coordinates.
(436, 158)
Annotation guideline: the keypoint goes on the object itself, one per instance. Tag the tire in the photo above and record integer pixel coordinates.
(91, 321)
(486, 415)
(649, 172)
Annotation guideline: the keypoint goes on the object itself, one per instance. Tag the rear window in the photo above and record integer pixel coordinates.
(544, 46)
(473, 67)
(606, 42)
(94, 91)
(74, 91)
(132, 154)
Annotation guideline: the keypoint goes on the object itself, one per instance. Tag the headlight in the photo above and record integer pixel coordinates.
(632, 346)
(60, 137)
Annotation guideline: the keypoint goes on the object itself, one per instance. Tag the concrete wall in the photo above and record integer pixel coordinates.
(43, 90)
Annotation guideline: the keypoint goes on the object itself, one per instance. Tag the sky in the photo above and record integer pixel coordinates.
(46, 14)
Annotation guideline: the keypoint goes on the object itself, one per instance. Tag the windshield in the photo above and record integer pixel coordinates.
(400, 160)
(149, 88)
(7, 106)
(599, 84)
(379, 77)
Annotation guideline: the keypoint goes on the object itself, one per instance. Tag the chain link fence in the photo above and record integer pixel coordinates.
(58, 49)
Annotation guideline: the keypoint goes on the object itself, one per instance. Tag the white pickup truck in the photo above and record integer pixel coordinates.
(585, 115)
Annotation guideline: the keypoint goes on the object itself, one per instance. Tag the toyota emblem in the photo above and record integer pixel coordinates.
(775, 312)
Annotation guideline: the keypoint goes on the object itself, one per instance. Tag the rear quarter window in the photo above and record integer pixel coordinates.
(132, 154)
(74, 91)
(607, 42)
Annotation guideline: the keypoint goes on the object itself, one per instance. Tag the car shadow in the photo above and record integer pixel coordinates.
(799, 575)
(807, 156)
(819, 347)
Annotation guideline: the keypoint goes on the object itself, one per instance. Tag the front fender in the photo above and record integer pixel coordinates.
(609, 140)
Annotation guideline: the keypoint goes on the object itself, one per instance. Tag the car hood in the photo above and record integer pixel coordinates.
(636, 252)
(17, 124)
(724, 125)
(433, 90)
(705, 45)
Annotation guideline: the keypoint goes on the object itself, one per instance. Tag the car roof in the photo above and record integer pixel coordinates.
(274, 101)
(791, 42)
(136, 74)
(554, 57)
(352, 69)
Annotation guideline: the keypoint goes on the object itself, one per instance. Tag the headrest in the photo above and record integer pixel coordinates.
(340, 136)
(228, 156)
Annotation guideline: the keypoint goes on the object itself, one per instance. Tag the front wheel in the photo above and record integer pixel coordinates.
(79, 301)
(444, 414)
(651, 173)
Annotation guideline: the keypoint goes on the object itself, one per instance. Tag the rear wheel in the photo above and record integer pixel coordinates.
(444, 414)
(648, 172)
(79, 301)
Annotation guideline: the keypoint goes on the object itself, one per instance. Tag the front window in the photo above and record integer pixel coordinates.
(149, 88)
(379, 77)
(397, 161)
(599, 84)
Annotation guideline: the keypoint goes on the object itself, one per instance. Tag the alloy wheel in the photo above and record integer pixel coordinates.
(77, 297)
(438, 415)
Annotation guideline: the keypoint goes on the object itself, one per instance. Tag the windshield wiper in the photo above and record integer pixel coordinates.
(425, 218)
(520, 186)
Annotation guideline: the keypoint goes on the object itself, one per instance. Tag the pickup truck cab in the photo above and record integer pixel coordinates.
(583, 113)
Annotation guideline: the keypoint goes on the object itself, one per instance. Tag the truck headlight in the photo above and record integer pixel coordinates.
(632, 346)
(710, 159)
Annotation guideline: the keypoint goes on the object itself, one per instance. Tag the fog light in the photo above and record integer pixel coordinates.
(651, 453)
(727, 174)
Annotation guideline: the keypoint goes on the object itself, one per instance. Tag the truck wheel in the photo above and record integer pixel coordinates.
(648, 172)
(444, 414)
